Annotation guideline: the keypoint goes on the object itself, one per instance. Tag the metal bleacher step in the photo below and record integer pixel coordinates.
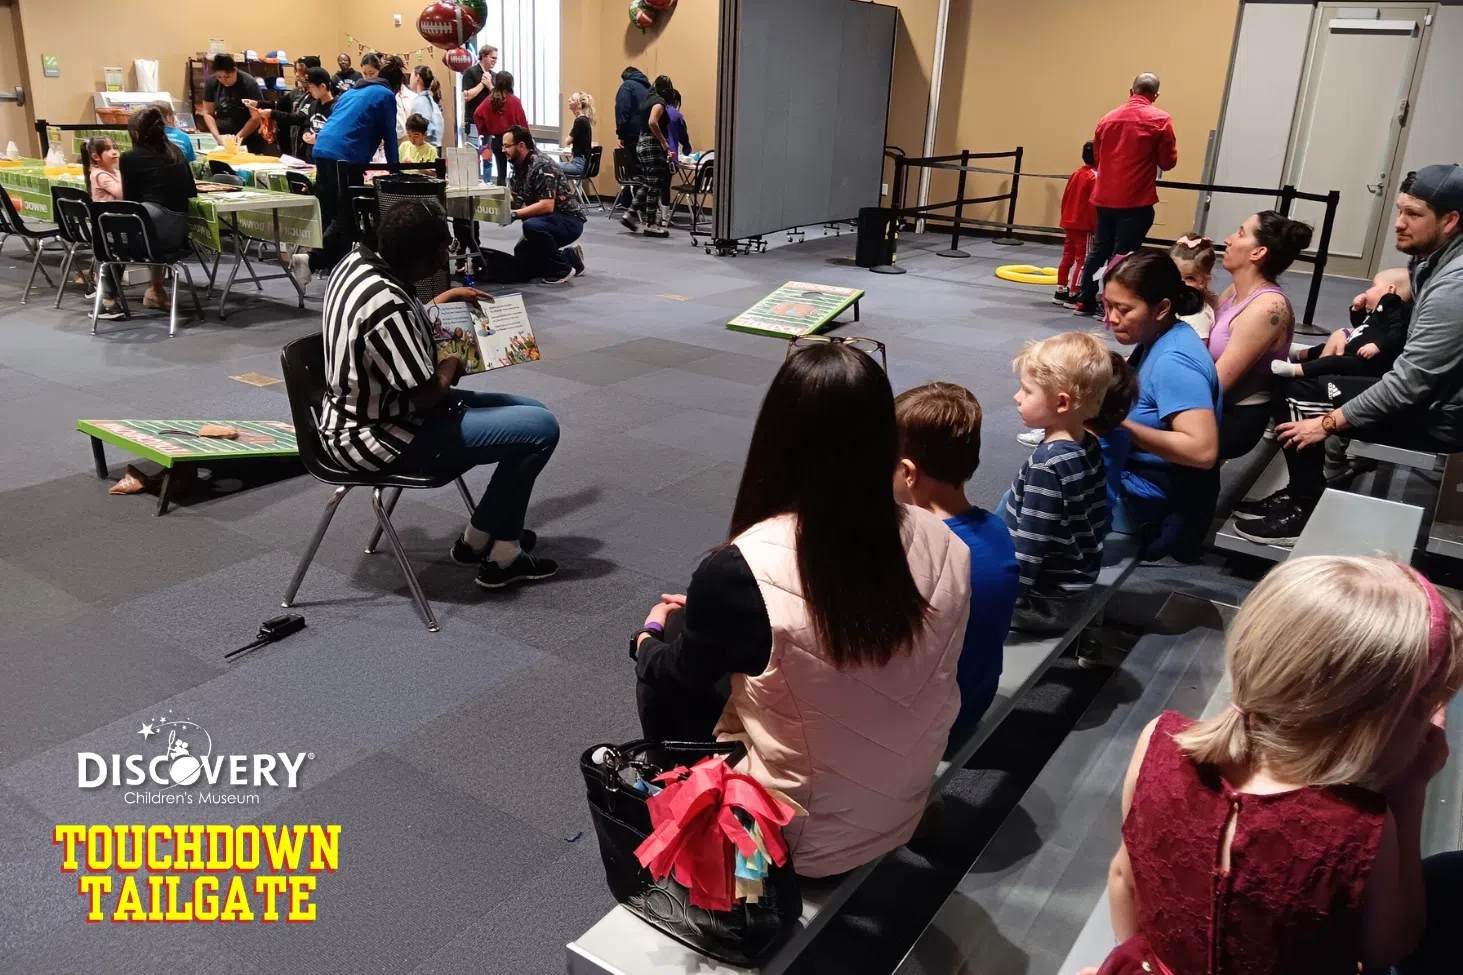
(1030, 894)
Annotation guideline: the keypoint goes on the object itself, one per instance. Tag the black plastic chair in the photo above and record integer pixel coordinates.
(592, 161)
(123, 234)
(217, 167)
(700, 192)
(365, 213)
(306, 384)
(35, 239)
(627, 175)
(226, 179)
(299, 183)
(72, 208)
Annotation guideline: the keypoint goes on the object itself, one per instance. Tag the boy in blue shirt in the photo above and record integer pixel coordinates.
(939, 426)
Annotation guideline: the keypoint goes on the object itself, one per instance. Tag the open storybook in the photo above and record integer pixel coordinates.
(485, 334)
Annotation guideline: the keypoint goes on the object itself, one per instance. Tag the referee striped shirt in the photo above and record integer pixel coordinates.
(1056, 511)
(378, 348)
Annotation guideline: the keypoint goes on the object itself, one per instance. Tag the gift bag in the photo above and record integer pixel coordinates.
(146, 74)
(619, 787)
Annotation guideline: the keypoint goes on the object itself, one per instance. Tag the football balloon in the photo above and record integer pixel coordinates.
(448, 25)
(640, 16)
(459, 59)
(660, 4)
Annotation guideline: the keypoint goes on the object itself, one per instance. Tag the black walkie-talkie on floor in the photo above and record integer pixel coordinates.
(272, 631)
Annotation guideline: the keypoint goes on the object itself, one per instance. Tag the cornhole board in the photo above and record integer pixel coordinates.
(796, 309)
(155, 440)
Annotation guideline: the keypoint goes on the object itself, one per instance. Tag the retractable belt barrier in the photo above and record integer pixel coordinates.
(960, 163)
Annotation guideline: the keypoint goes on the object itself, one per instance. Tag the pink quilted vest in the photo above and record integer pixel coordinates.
(857, 748)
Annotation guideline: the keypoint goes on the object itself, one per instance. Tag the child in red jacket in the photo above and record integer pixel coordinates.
(1079, 220)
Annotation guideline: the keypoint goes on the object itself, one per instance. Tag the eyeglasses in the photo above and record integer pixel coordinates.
(865, 345)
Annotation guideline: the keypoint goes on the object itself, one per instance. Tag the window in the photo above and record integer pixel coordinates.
(526, 34)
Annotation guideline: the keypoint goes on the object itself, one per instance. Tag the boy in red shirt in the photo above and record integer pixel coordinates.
(1079, 220)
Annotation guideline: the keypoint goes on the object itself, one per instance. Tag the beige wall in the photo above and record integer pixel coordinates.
(1042, 73)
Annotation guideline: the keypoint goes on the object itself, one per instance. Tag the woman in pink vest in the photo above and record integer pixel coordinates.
(826, 632)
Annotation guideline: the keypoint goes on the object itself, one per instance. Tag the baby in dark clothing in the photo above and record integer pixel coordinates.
(1379, 332)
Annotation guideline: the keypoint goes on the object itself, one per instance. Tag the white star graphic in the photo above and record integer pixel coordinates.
(147, 731)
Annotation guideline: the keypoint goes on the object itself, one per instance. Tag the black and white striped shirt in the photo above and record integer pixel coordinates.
(378, 348)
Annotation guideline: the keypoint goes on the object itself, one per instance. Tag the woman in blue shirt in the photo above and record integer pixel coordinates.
(176, 135)
(1171, 436)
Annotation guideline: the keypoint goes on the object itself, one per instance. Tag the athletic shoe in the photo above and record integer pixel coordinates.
(1063, 297)
(1280, 528)
(465, 554)
(655, 230)
(112, 314)
(525, 568)
(1260, 507)
(574, 254)
(631, 221)
(1031, 438)
(555, 281)
(1084, 309)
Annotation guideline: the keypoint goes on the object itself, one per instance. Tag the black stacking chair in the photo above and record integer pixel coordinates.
(701, 192)
(303, 363)
(365, 213)
(35, 239)
(299, 183)
(226, 179)
(123, 234)
(219, 168)
(72, 208)
(626, 174)
(591, 170)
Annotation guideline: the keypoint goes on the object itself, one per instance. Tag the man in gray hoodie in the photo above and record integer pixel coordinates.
(1418, 404)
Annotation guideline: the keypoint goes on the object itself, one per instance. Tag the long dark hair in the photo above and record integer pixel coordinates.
(149, 130)
(1283, 240)
(502, 88)
(664, 88)
(393, 72)
(1153, 276)
(824, 450)
(433, 85)
(96, 144)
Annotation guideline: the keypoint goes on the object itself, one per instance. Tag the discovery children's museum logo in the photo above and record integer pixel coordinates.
(178, 754)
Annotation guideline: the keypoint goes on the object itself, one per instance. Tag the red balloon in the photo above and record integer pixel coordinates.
(660, 4)
(447, 24)
(459, 59)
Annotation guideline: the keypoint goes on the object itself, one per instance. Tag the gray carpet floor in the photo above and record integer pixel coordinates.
(449, 759)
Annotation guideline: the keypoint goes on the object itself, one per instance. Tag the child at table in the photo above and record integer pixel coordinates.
(99, 160)
(1282, 834)
(416, 148)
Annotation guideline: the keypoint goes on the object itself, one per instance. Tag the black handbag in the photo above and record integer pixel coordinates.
(742, 936)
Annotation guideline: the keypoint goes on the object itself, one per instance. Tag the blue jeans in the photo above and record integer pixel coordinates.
(574, 167)
(470, 429)
(539, 252)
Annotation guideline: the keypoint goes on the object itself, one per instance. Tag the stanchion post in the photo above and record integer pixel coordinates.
(896, 208)
(1009, 240)
(955, 250)
(1287, 200)
(1323, 250)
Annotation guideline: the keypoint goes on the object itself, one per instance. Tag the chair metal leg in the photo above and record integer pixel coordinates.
(173, 303)
(309, 556)
(65, 272)
(188, 275)
(411, 577)
(35, 265)
(391, 500)
(96, 304)
(248, 266)
(466, 496)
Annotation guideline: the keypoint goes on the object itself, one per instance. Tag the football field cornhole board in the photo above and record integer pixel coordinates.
(171, 443)
(796, 309)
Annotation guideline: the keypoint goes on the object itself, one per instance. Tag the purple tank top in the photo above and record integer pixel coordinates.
(1256, 382)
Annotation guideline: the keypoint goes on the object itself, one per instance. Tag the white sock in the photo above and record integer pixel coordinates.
(476, 538)
(1284, 368)
(503, 553)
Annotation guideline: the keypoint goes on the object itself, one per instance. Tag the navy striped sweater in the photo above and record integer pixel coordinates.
(1056, 511)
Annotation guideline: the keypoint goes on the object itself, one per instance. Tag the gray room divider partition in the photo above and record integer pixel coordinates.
(802, 99)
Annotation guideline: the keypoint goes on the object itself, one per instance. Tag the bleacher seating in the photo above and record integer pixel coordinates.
(621, 944)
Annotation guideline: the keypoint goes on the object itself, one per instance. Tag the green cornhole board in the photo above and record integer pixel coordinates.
(154, 440)
(796, 309)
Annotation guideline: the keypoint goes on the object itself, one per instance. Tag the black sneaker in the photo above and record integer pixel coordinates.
(1281, 528)
(1084, 309)
(525, 568)
(1063, 297)
(574, 254)
(465, 554)
(631, 222)
(655, 230)
(1261, 507)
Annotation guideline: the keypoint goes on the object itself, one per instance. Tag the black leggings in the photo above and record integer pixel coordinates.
(1240, 428)
(1343, 365)
(676, 713)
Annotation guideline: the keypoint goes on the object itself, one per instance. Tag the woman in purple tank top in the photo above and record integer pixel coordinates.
(1253, 325)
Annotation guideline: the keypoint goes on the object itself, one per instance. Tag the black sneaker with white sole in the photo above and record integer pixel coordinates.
(1260, 507)
(574, 254)
(525, 568)
(655, 230)
(465, 554)
(631, 222)
(1281, 528)
(555, 281)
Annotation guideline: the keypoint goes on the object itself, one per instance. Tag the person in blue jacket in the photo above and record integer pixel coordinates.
(363, 121)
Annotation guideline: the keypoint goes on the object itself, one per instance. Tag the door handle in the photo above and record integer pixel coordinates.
(1404, 112)
(17, 96)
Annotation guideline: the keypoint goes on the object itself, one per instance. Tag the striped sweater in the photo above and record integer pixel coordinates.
(1056, 511)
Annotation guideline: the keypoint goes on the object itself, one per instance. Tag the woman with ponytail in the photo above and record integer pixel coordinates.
(428, 102)
(155, 174)
(498, 113)
(1283, 834)
(1162, 458)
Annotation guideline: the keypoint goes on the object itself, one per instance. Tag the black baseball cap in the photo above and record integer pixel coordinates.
(1440, 187)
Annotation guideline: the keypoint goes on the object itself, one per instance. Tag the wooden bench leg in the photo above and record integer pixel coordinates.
(99, 454)
(162, 494)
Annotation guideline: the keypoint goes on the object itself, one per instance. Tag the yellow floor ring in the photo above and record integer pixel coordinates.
(1027, 274)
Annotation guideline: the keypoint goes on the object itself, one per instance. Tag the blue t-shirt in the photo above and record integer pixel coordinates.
(180, 139)
(1175, 374)
(995, 582)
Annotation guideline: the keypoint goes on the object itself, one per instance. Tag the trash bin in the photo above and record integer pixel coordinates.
(875, 247)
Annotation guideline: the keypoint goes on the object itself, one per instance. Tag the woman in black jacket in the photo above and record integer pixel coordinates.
(155, 174)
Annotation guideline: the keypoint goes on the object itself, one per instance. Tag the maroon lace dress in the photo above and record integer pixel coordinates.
(1292, 898)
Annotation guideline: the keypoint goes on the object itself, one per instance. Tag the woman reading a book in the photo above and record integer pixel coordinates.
(391, 401)
(825, 633)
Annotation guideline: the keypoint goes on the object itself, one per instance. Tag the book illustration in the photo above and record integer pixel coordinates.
(797, 308)
(484, 334)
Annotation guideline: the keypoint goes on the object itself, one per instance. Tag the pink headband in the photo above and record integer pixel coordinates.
(1437, 636)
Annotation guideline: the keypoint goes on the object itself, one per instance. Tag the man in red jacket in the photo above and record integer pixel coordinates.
(1133, 142)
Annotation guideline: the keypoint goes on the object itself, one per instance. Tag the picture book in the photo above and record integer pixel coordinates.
(486, 334)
